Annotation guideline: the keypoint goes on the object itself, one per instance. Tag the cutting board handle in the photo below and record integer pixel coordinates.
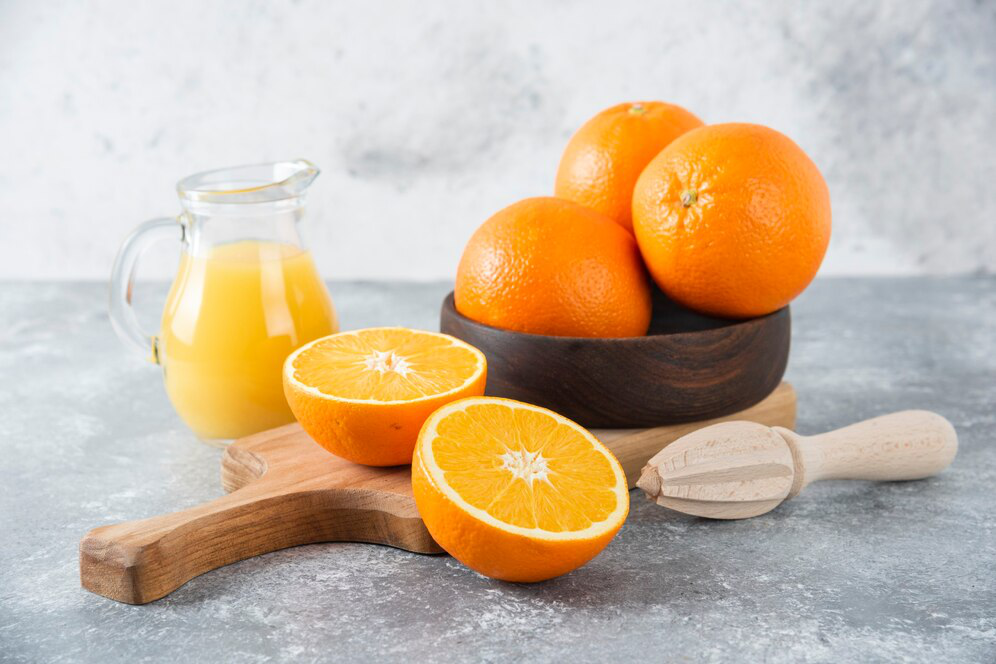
(140, 561)
(908, 445)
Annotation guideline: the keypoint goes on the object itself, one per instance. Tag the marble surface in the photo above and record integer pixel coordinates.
(847, 572)
(450, 110)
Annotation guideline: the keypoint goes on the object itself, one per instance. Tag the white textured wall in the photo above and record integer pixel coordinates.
(426, 117)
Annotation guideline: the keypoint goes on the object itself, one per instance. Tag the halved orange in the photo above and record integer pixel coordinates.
(515, 491)
(364, 394)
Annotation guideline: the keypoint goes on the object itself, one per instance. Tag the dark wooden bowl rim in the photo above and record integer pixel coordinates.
(714, 324)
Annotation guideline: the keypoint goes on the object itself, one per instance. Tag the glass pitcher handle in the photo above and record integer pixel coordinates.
(122, 312)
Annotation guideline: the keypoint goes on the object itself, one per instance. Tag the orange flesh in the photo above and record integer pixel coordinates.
(385, 365)
(524, 468)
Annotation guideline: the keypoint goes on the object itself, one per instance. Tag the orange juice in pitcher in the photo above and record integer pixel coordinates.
(231, 318)
(246, 294)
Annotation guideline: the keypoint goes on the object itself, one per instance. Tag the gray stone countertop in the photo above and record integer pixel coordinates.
(848, 571)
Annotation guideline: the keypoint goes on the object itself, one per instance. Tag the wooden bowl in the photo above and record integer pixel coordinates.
(689, 367)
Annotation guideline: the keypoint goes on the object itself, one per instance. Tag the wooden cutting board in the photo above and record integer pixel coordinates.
(285, 490)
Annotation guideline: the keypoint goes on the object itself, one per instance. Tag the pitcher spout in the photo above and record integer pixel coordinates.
(300, 174)
(259, 183)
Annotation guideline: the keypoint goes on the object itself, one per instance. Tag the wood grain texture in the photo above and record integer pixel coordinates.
(737, 470)
(688, 368)
(286, 491)
(909, 445)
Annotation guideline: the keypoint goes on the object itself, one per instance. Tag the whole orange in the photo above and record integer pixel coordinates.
(605, 157)
(549, 266)
(732, 220)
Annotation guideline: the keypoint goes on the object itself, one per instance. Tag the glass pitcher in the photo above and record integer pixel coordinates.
(246, 294)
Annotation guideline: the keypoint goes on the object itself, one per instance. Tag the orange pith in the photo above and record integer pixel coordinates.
(364, 395)
(514, 491)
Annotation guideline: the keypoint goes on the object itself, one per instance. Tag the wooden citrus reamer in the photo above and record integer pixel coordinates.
(737, 470)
